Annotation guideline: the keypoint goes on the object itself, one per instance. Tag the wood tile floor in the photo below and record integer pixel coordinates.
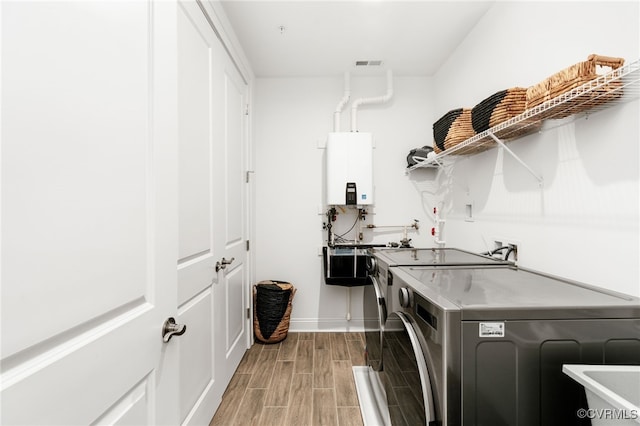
(304, 380)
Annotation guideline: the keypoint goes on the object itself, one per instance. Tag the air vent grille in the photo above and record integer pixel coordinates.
(375, 63)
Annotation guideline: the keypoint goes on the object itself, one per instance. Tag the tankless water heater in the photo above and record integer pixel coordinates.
(349, 168)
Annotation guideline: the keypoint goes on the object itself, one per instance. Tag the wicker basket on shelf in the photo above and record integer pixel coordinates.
(452, 129)
(441, 128)
(572, 77)
(500, 107)
(272, 301)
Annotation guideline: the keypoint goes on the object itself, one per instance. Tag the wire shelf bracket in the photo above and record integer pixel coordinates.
(518, 159)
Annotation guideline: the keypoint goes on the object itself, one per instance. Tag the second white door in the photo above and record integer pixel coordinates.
(212, 288)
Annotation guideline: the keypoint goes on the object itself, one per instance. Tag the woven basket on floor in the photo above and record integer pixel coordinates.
(272, 303)
(503, 106)
(452, 129)
(572, 77)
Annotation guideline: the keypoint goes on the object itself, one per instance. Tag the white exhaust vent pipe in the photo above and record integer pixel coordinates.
(342, 103)
(373, 100)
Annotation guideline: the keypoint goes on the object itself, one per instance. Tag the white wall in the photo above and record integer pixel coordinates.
(583, 222)
(292, 118)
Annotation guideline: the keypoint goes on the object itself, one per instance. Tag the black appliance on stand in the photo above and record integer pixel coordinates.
(346, 264)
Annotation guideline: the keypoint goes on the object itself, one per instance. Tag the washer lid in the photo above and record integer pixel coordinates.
(510, 293)
(434, 257)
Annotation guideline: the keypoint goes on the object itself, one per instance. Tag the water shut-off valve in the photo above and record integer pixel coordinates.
(437, 229)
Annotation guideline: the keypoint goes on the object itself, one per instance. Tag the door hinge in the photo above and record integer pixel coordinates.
(247, 245)
(246, 109)
(248, 313)
(247, 174)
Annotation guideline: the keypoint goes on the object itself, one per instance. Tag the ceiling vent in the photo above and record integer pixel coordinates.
(368, 63)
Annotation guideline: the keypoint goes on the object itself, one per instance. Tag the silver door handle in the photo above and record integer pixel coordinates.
(223, 264)
(170, 329)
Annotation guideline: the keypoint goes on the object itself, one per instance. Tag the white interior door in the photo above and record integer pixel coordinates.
(200, 388)
(231, 302)
(211, 302)
(89, 235)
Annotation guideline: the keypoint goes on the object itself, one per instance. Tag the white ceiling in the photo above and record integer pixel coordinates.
(323, 38)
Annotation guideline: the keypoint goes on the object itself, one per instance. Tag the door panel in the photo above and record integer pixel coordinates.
(194, 276)
(231, 297)
(199, 392)
(88, 234)
(196, 356)
(73, 375)
(195, 58)
(236, 318)
(72, 181)
(233, 149)
(131, 409)
(204, 292)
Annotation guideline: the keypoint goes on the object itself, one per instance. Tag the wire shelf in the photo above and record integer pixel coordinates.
(618, 86)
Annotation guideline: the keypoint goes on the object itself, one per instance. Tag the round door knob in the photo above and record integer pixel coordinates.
(405, 296)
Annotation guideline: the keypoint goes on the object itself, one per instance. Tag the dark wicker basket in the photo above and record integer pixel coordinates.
(272, 303)
(452, 128)
(498, 108)
(503, 106)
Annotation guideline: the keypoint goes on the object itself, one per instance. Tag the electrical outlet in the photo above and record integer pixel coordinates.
(468, 212)
(509, 248)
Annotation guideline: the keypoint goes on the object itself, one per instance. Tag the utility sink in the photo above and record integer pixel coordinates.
(613, 393)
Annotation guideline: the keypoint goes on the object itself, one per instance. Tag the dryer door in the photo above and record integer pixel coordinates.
(405, 374)
(375, 314)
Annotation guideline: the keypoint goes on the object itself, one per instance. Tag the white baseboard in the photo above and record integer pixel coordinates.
(322, 325)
